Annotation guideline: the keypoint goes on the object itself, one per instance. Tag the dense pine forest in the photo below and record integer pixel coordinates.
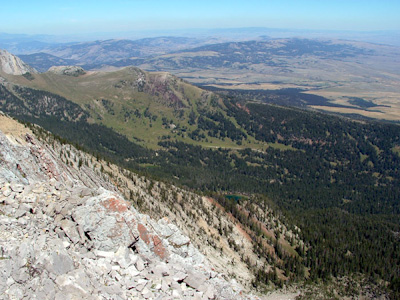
(337, 179)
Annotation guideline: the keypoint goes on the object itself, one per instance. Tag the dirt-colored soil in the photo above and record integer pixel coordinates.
(14, 131)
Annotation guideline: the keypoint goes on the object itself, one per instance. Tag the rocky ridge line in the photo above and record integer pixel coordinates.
(67, 235)
(13, 65)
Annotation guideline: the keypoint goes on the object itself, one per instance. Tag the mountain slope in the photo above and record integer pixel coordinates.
(135, 103)
(220, 232)
(71, 121)
(67, 233)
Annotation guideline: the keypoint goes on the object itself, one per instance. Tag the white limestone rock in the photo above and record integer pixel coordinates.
(11, 64)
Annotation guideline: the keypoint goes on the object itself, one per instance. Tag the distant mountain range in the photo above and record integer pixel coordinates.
(98, 53)
(239, 55)
(23, 42)
(179, 53)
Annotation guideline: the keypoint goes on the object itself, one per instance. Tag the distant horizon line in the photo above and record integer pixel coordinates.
(388, 37)
(207, 29)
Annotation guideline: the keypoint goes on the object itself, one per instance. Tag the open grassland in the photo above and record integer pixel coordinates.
(385, 94)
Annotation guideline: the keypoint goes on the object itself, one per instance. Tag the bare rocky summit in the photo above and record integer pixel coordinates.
(69, 234)
(67, 70)
(13, 65)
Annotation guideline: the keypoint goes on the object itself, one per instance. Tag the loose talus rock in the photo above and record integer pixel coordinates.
(66, 235)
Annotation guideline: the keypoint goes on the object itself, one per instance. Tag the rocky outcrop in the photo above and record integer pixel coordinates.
(66, 234)
(67, 70)
(11, 64)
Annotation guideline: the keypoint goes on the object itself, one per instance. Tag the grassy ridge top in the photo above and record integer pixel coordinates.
(135, 103)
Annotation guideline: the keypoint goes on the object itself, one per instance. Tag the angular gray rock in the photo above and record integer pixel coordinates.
(59, 263)
(178, 239)
(195, 280)
(71, 230)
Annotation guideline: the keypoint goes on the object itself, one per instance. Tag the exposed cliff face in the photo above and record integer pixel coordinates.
(11, 64)
(67, 234)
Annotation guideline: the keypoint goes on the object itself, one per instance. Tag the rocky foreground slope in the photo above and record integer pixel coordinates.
(66, 234)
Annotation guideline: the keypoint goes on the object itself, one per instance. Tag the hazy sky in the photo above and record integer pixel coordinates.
(86, 16)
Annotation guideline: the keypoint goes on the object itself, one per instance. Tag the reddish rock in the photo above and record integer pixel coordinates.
(44, 160)
(116, 205)
(159, 248)
(143, 233)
